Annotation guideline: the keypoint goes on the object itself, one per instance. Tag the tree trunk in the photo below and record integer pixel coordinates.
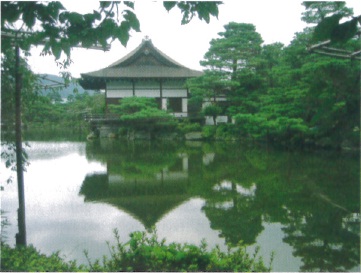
(21, 236)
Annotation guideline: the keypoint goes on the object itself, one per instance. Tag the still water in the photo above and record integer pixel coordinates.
(303, 206)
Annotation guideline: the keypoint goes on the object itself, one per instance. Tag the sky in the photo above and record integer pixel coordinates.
(276, 21)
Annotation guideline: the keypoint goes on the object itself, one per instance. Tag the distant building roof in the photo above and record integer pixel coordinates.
(146, 61)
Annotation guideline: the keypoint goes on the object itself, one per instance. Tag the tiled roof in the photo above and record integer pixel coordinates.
(144, 71)
(146, 61)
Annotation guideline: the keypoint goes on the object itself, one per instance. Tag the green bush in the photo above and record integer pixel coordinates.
(140, 112)
(144, 252)
(29, 259)
(213, 111)
(209, 132)
(226, 132)
(187, 127)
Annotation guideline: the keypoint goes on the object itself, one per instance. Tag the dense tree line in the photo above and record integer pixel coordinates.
(284, 94)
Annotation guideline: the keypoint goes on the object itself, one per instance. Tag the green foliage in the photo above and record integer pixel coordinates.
(59, 30)
(209, 132)
(139, 109)
(252, 125)
(330, 28)
(226, 132)
(213, 111)
(187, 127)
(327, 16)
(204, 10)
(316, 11)
(29, 85)
(23, 259)
(234, 50)
(145, 252)
(132, 105)
(285, 94)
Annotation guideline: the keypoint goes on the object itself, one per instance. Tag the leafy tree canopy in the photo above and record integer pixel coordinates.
(139, 109)
(58, 30)
(316, 11)
(234, 49)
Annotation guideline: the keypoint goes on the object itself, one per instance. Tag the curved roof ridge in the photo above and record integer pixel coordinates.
(144, 43)
(167, 57)
(130, 54)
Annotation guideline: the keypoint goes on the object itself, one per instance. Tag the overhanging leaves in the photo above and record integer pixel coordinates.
(59, 30)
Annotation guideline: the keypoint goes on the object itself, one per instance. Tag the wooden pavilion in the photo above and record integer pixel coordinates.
(144, 72)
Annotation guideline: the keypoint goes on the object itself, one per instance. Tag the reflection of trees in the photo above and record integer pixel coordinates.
(310, 195)
(141, 152)
(234, 213)
(319, 234)
(231, 204)
(315, 194)
(322, 241)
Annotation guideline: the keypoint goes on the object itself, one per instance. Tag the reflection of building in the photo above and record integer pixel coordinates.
(144, 72)
(169, 174)
(143, 193)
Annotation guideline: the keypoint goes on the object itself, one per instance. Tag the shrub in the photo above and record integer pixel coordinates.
(213, 111)
(144, 252)
(226, 132)
(140, 112)
(22, 259)
(209, 131)
(187, 127)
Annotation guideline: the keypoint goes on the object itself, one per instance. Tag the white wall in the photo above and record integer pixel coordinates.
(119, 93)
(174, 93)
(120, 85)
(149, 93)
(219, 119)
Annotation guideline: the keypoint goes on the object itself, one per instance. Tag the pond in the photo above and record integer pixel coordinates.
(303, 206)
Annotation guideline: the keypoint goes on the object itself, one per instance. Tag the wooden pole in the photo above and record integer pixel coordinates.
(21, 236)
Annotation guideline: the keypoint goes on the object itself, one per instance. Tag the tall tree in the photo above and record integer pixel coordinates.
(230, 64)
(234, 50)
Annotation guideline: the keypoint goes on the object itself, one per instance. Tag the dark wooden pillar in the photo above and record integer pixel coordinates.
(106, 99)
(161, 93)
(133, 87)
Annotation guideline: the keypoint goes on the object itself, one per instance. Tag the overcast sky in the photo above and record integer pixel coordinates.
(276, 21)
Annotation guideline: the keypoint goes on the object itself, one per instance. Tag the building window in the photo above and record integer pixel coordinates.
(175, 105)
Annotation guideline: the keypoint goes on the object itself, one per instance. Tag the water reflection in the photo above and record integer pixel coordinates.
(303, 206)
(313, 197)
(142, 180)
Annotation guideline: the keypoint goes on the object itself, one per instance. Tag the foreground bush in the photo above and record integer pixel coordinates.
(22, 259)
(143, 252)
